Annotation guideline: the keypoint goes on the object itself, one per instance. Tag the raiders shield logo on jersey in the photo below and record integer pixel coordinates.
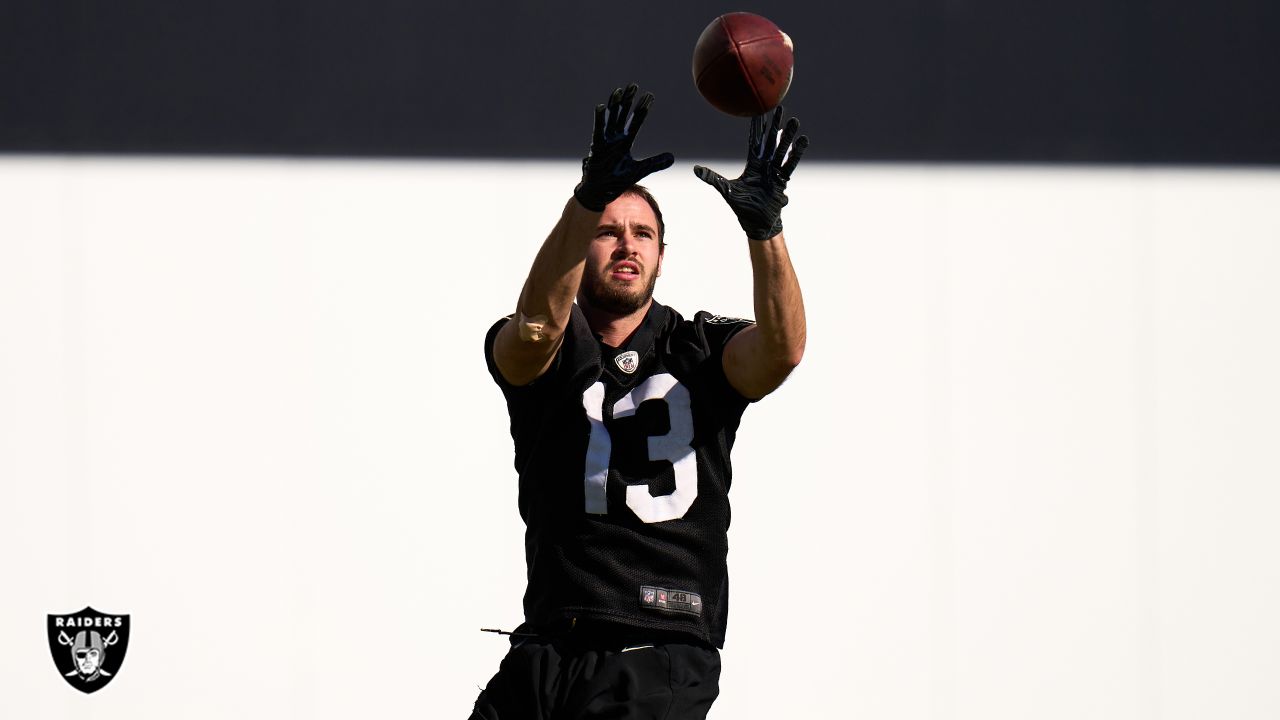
(88, 647)
(628, 361)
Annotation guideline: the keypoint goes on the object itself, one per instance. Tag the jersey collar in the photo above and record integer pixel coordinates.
(641, 343)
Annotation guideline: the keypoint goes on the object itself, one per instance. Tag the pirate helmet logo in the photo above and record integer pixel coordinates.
(88, 647)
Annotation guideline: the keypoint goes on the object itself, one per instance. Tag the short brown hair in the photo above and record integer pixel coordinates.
(643, 193)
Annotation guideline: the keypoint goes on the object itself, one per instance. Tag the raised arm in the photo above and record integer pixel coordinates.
(759, 358)
(525, 347)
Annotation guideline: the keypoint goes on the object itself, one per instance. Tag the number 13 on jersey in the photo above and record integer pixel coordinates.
(676, 447)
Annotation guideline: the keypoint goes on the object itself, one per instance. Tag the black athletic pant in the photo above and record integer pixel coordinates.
(594, 672)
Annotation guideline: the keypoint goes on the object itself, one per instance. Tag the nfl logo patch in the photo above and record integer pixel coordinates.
(628, 361)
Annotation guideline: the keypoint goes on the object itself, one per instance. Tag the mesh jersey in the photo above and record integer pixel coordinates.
(624, 476)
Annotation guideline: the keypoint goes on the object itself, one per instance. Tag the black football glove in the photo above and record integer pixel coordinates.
(758, 195)
(609, 168)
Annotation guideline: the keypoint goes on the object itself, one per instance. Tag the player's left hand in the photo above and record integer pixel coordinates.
(759, 194)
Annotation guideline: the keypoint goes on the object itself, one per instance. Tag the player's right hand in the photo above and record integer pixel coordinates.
(609, 169)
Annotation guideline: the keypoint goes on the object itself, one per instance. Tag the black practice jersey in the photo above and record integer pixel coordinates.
(623, 457)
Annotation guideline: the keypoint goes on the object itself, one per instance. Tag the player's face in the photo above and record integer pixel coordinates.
(625, 258)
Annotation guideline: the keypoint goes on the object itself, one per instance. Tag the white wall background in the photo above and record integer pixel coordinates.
(1029, 467)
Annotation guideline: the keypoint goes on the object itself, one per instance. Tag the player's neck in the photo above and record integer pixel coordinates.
(614, 330)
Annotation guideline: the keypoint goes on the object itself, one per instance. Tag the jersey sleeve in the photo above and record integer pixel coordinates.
(514, 392)
(489, 339)
(576, 355)
(716, 331)
(529, 406)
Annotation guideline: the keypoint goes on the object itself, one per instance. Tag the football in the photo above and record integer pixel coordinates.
(743, 64)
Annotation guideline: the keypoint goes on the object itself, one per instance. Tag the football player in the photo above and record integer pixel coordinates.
(623, 413)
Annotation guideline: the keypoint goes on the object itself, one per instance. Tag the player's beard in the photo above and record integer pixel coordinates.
(614, 298)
